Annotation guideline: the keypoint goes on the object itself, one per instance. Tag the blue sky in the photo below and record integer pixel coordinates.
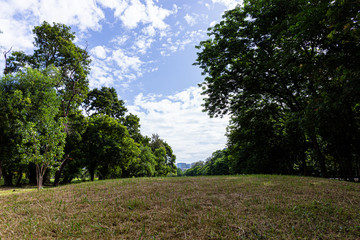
(145, 50)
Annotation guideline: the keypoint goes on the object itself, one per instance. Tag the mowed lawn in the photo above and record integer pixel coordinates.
(229, 207)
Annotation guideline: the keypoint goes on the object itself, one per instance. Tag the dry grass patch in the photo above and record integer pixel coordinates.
(230, 207)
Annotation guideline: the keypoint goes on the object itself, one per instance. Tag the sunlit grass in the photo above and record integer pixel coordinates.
(230, 207)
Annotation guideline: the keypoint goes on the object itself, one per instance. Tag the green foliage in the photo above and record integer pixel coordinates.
(12, 108)
(75, 160)
(104, 101)
(42, 121)
(30, 105)
(144, 165)
(106, 145)
(217, 164)
(287, 73)
(179, 172)
(132, 123)
(164, 156)
(54, 46)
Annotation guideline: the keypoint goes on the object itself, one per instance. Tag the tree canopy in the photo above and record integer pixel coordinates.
(287, 73)
(43, 129)
(30, 127)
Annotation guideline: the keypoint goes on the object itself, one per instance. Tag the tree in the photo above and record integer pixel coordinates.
(54, 45)
(13, 112)
(35, 123)
(107, 147)
(179, 172)
(144, 165)
(164, 156)
(218, 164)
(132, 123)
(104, 101)
(198, 168)
(77, 127)
(300, 56)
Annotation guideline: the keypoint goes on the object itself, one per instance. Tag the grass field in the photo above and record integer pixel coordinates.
(229, 207)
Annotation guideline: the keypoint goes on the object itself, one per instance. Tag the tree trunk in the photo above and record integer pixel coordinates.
(0, 170)
(92, 173)
(8, 176)
(32, 174)
(39, 182)
(40, 171)
(319, 154)
(18, 182)
(58, 172)
(304, 167)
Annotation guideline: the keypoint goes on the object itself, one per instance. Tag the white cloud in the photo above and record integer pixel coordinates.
(179, 120)
(18, 17)
(134, 14)
(149, 31)
(157, 15)
(213, 23)
(99, 52)
(83, 13)
(142, 44)
(191, 20)
(114, 67)
(126, 63)
(117, 5)
(120, 40)
(101, 74)
(228, 3)
(188, 38)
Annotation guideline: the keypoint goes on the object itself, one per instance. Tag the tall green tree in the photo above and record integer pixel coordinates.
(35, 122)
(13, 107)
(107, 147)
(54, 45)
(300, 56)
(104, 101)
(132, 123)
(76, 162)
(144, 165)
(164, 156)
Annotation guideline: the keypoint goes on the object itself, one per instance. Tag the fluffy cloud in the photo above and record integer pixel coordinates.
(228, 3)
(178, 44)
(82, 13)
(120, 40)
(99, 52)
(15, 16)
(113, 67)
(179, 120)
(142, 44)
(191, 20)
(101, 74)
(124, 62)
(134, 12)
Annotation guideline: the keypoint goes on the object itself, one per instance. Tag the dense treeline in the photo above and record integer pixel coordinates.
(217, 164)
(51, 125)
(287, 72)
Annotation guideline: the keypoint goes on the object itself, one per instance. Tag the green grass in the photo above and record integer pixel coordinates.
(229, 207)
